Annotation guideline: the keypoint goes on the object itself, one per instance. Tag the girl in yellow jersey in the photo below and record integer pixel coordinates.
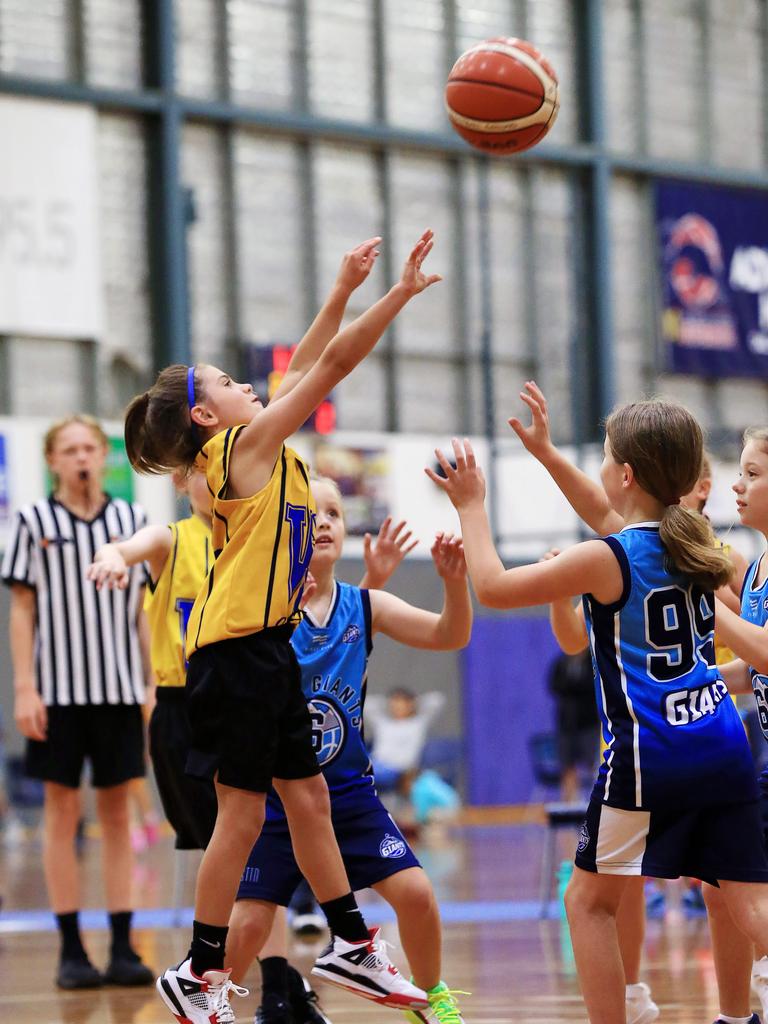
(179, 558)
(250, 723)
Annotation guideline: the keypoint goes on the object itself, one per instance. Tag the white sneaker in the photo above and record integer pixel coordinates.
(760, 982)
(641, 1009)
(365, 969)
(194, 1000)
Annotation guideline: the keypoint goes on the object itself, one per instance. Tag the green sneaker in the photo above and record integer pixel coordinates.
(443, 1007)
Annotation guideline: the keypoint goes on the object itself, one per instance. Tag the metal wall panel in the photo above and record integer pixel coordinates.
(340, 66)
(34, 38)
(113, 37)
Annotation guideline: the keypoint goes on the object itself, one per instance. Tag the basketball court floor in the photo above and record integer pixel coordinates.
(516, 966)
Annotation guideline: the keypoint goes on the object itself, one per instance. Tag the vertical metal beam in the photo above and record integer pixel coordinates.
(6, 408)
(598, 187)
(166, 206)
(76, 41)
(486, 336)
(300, 64)
(641, 76)
(388, 346)
(530, 277)
(764, 75)
(704, 82)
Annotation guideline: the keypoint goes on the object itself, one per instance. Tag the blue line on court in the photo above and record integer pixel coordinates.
(477, 912)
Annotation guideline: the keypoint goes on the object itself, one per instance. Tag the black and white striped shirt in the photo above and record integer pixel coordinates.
(86, 642)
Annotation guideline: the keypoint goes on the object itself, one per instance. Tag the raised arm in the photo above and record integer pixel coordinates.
(383, 555)
(587, 568)
(587, 498)
(356, 265)
(747, 640)
(111, 562)
(259, 443)
(416, 627)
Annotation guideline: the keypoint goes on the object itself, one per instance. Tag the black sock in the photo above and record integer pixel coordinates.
(274, 977)
(71, 944)
(344, 918)
(207, 949)
(120, 923)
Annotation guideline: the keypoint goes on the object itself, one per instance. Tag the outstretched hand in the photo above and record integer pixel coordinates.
(383, 555)
(108, 569)
(448, 555)
(464, 484)
(536, 438)
(413, 278)
(357, 264)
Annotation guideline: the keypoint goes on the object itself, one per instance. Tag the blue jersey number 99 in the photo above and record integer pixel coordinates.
(678, 625)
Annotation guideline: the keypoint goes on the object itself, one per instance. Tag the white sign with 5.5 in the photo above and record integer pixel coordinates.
(50, 274)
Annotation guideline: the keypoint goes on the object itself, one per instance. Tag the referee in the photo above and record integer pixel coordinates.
(79, 685)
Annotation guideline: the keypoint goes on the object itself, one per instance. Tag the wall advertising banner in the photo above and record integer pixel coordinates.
(713, 246)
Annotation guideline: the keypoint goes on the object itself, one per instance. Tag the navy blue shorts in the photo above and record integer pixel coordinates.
(720, 841)
(372, 848)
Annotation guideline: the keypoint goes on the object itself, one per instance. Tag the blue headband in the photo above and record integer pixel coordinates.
(191, 402)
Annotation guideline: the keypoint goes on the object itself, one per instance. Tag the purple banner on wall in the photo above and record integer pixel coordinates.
(713, 245)
(506, 701)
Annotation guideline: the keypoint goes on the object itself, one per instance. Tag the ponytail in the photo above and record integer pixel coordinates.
(159, 433)
(664, 445)
(691, 546)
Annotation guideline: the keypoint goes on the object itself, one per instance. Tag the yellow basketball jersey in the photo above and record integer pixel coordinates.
(262, 546)
(723, 654)
(169, 602)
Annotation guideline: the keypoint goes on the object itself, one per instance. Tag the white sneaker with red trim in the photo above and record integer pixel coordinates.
(194, 1000)
(365, 969)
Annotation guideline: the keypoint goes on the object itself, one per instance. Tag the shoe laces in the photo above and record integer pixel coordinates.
(220, 1003)
(445, 1006)
(379, 956)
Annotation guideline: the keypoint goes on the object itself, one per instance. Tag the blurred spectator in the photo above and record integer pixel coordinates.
(572, 684)
(400, 723)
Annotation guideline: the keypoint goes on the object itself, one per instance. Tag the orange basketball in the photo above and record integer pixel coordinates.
(502, 96)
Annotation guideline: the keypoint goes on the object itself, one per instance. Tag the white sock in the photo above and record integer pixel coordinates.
(639, 988)
(734, 1020)
(760, 966)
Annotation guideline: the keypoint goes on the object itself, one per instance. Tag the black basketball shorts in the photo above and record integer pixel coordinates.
(110, 736)
(249, 718)
(189, 803)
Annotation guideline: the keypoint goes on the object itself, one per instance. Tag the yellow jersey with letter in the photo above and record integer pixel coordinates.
(262, 546)
(168, 603)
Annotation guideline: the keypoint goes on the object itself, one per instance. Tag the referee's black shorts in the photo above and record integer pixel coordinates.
(249, 717)
(110, 736)
(189, 803)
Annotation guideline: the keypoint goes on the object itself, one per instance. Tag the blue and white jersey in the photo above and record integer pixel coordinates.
(673, 735)
(754, 608)
(333, 657)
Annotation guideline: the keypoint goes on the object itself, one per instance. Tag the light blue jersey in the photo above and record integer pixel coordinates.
(333, 657)
(754, 608)
(673, 735)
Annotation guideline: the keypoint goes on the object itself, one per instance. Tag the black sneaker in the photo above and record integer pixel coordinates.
(78, 973)
(273, 1011)
(128, 969)
(305, 1007)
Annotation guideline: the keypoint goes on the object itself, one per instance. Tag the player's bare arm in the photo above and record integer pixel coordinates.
(258, 445)
(356, 265)
(746, 639)
(587, 498)
(449, 630)
(587, 568)
(111, 562)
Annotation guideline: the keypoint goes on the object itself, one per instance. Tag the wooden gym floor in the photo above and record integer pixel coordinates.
(486, 877)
